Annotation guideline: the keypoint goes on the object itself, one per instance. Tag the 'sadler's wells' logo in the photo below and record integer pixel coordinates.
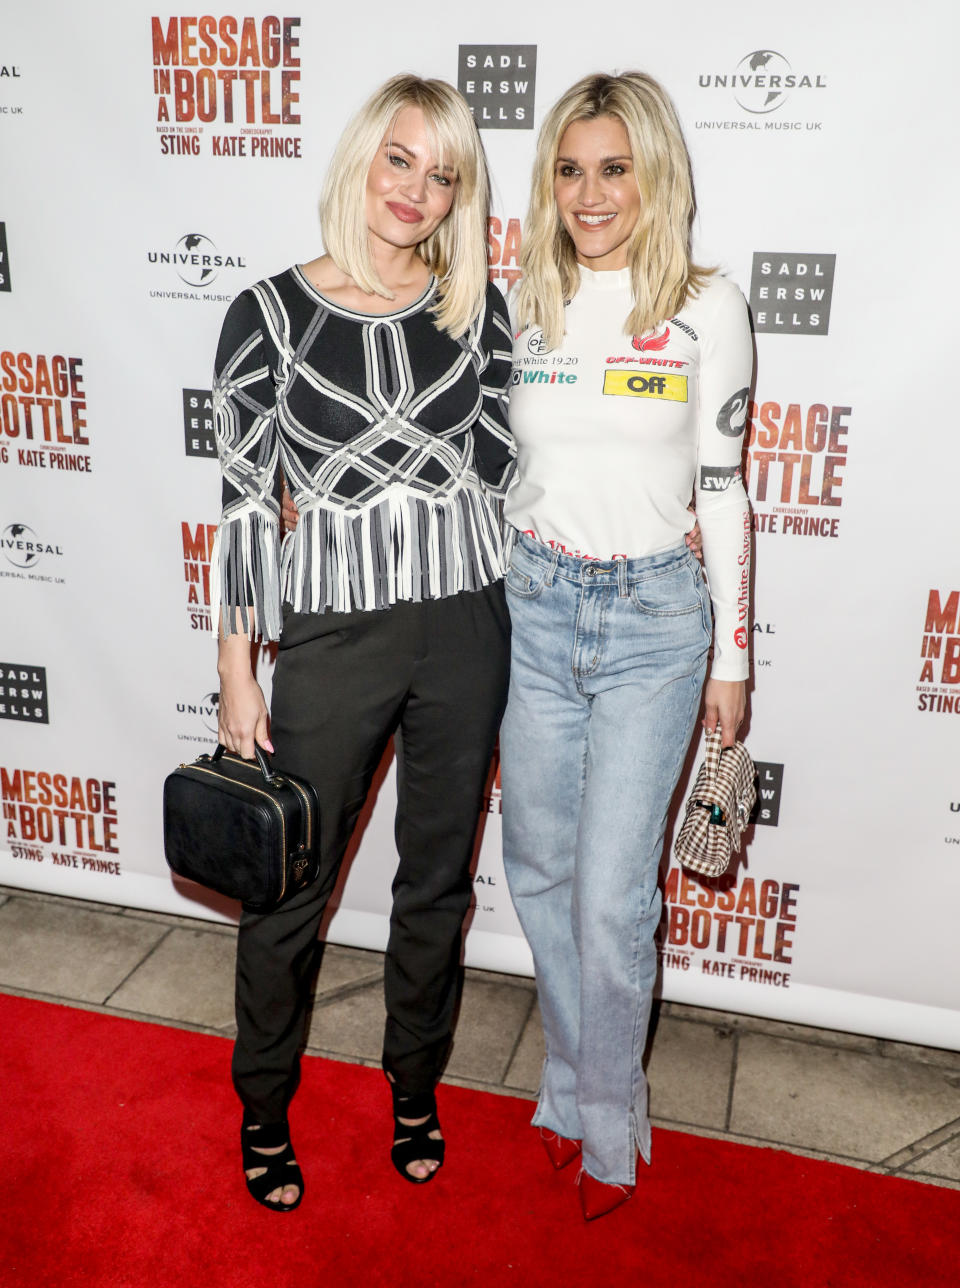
(769, 792)
(499, 83)
(23, 693)
(198, 427)
(791, 292)
(651, 343)
(4, 259)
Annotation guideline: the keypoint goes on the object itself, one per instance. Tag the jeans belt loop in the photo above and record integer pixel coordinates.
(552, 570)
(622, 579)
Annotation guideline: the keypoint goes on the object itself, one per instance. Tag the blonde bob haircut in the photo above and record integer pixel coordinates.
(658, 254)
(456, 251)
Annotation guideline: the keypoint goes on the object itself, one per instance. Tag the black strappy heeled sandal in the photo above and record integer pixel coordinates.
(281, 1169)
(410, 1144)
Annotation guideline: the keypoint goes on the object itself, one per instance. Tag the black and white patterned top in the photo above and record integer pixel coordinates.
(393, 439)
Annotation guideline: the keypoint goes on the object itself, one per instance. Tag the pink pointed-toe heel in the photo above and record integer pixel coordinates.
(560, 1150)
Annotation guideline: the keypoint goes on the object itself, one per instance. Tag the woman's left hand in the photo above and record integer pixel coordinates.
(289, 514)
(694, 537)
(725, 703)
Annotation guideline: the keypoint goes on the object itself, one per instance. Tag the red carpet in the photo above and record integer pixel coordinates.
(120, 1169)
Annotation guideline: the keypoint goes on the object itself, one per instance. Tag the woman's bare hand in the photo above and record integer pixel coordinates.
(694, 537)
(243, 716)
(289, 513)
(725, 703)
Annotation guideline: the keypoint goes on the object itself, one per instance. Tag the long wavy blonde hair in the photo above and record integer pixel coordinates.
(456, 251)
(659, 251)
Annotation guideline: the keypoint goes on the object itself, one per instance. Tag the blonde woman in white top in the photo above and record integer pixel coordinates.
(630, 383)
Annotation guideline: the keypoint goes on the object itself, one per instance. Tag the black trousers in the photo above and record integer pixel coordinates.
(435, 674)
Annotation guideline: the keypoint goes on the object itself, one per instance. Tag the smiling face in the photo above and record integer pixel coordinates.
(407, 195)
(596, 190)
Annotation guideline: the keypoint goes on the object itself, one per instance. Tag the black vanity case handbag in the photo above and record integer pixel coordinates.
(241, 828)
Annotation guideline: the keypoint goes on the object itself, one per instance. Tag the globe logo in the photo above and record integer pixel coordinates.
(20, 545)
(196, 259)
(760, 81)
(207, 711)
(210, 711)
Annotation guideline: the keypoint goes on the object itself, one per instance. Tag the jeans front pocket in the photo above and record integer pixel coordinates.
(677, 592)
(524, 577)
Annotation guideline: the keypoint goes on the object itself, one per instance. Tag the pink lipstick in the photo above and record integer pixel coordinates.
(406, 214)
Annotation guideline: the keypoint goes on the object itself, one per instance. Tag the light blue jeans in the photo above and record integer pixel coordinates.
(607, 666)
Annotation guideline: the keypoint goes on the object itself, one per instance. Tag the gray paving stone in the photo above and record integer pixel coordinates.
(39, 896)
(843, 1102)
(773, 1028)
(492, 1017)
(689, 1069)
(917, 1149)
(921, 1055)
(527, 1063)
(346, 967)
(497, 977)
(350, 1026)
(187, 923)
(944, 1161)
(689, 1072)
(189, 977)
(67, 951)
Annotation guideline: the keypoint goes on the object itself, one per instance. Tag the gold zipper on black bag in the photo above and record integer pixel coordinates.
(301, 792)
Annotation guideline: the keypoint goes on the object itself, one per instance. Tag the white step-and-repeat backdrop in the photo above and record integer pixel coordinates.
(155, 161)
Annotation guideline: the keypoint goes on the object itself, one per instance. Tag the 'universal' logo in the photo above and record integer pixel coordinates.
(762, 81)
(207, 711)
(196, 260)
(23, 548)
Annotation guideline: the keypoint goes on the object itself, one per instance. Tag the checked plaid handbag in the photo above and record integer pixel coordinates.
(718, 809)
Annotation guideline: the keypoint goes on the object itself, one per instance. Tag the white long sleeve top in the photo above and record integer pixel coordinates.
(615, 434)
